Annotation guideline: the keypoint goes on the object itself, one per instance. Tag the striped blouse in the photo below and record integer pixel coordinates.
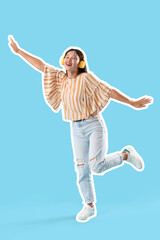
(80, 97)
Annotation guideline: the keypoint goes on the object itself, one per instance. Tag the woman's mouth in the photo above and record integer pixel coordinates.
(68, 64)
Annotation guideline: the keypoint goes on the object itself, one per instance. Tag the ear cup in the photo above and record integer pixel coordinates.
(82, 64)
(62, 61)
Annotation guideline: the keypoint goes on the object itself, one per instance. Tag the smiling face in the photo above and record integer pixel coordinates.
(71, 61)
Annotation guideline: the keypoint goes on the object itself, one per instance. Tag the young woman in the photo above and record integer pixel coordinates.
(83, 96)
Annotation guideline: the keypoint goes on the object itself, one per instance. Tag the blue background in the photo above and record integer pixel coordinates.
(39, 198)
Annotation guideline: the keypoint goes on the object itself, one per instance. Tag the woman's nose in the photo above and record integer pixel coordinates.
(69, 59)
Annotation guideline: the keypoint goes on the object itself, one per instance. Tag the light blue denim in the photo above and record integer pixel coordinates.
(90, 144)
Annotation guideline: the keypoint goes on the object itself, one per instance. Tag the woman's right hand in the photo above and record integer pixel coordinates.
(27, 57)
(13, 44)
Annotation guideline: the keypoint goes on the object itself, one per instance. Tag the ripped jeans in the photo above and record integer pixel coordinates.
(90, 144)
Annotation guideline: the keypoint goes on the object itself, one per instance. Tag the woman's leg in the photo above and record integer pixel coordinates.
(99, 161)
(80, 145)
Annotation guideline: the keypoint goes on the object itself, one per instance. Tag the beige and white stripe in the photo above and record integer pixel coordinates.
(81, 97)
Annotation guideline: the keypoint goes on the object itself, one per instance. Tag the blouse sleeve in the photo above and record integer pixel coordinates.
(51, 80)
(97, 93)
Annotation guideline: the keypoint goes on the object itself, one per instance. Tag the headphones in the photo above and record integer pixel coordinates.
(81, 64)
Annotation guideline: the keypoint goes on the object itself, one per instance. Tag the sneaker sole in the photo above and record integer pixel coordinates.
(86, 220)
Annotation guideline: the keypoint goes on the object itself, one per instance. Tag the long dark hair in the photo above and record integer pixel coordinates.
(80, 54)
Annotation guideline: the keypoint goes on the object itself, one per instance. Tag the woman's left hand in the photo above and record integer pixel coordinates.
(142, 102)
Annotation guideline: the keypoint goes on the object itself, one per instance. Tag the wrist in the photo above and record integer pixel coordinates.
(18, 51)
(131, 102)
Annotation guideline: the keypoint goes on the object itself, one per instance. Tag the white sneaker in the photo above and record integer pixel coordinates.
(86, 213)
(134, 159)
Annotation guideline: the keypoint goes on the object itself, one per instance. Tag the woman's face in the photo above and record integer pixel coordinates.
(71, 61)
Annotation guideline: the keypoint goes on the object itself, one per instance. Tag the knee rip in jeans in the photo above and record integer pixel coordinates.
(80, 162)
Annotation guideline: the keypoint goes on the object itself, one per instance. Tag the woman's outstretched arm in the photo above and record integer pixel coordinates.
(135, 103)
(35, 62)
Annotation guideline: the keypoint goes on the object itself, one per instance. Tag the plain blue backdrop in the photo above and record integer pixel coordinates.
(39, 198)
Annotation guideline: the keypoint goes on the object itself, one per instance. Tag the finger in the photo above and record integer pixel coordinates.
(146, 97)
(149, 103)
(151, 99)
(148, 100)
(9, 37)
(12, 40)
(143, 99)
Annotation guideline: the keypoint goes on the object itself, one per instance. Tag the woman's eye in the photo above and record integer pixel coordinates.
(71, 58)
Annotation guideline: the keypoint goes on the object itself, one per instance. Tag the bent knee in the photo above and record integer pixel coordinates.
(93, 165)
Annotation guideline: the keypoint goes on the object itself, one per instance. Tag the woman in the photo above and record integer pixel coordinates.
(83, 96)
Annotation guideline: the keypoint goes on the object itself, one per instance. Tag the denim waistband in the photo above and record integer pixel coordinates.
(81, 120)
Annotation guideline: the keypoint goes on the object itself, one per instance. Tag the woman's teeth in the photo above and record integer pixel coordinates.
(69, 64)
